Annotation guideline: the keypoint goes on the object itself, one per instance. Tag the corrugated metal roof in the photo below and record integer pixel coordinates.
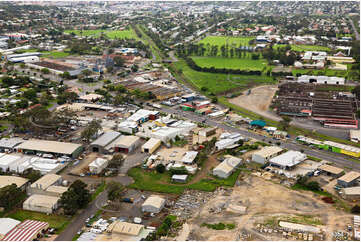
(106, 138)
(26, 231)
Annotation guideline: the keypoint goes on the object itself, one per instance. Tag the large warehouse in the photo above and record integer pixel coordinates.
(28, 230)
(227, 167)
(151, 145)
(41, 203)
(20, 182)
(288, 160)
(265, 154)
(153, 204)
(53, 147)
(105, 143)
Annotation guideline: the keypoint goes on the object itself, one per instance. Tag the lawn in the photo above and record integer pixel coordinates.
(219, 83)
(302, 48)
(55, 221)
(55, 54)
(223, 40)
(161, 182)
(112, 34)
(231, 63)
(324, 72)
(99, 190)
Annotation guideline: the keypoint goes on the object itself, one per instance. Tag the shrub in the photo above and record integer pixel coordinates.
(160, 168)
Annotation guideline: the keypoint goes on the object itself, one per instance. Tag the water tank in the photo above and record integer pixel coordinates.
(65, 183)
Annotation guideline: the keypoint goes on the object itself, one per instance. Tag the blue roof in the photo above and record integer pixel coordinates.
(259, 123)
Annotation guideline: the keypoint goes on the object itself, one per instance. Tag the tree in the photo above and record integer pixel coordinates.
(116, 161)
(67, 97)
(91, 130)
(86, 72)
(214, 99)
(45, 71)
(118, 61)
(30, 94)
(10, 196)
(355, 209)
(23, 103)
(75, 198)
(314, 186)
(115, 190)
(160, 168)
(285, 123)
(31, 174)
(134, 68)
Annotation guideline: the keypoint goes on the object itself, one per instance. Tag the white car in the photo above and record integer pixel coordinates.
(137, 220)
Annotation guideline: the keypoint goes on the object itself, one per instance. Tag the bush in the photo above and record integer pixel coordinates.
(160, 168)
(179, 171)
(355, 209)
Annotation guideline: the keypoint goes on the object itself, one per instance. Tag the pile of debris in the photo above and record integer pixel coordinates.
(288, 234)
(341, 235)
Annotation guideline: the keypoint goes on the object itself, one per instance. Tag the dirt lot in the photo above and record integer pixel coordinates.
(263, 200)
(258, 100)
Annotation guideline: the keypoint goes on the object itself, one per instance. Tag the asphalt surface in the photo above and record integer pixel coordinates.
(79, 220)
(338, 159)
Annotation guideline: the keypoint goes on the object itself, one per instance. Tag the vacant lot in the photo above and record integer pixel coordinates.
(218, 83)
(55, 221)
(231, 63)
(258, 101)
(302, 48)
(112, 34)
(223, 40)
(265, 204)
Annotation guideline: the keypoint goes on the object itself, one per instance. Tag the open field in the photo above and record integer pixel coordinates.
(218, 83)
(302, 48)
(258, 101)
(112, 34)
(301, 207)
(325, 72)
(52, 54)
(223, 40)
(55, 221)
(231, 63)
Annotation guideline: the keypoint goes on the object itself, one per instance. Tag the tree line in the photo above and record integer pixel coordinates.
(190, 62)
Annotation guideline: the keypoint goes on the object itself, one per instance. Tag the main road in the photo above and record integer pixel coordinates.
(355, 29)
(79, 221)
(338, 159)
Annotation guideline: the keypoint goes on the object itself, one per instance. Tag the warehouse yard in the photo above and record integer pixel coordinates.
(265, 203)
(258, 101)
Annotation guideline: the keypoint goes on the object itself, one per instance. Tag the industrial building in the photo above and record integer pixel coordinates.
(321, 80)
(349, 179)
(179, 178)
(27, 230)
(123, 231)
(288, 160)
(330, 170)
(207, 132)
(41, 203)
(351, 193)
(6, 225)
(44, 183)
(104, 144)
(228, 140)
(153, 204)
(227, 167)
(189, 157)
(52, 147)
(266, 153)
(128, 127)
(151, 145)
(127, 144)
(20, 182)
(9, 144)
(98, 165)
(143, 115)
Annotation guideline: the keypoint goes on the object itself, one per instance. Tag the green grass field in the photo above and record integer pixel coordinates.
(222, 40)
(302, 48)
(157, 182)
(218, 83)
(324, 72)
(55, 221)
(231, 63)
(112, 34)
(55, 54)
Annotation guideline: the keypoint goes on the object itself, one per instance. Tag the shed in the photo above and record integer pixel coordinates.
(20, 182)
(153, 204)
(98, 165)
(288, 160)
(189, 157)
(106, 139)
(331, 170)
(151, 145)
(127, 144)
(349, 179)
(41, 203)
(7, 224)
(28, 230)
(258, 123)
(351, 193)
(265, 154)
(227, 167)
(179, 178)
(125, 228)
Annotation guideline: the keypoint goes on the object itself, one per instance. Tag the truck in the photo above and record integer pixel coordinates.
(128, 200)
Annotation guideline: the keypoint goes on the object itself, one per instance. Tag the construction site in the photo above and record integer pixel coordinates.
(255, 209)
(333, 109)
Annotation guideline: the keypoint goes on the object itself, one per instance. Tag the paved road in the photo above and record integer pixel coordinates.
(338, 159)
(355, 30)
(79, 220)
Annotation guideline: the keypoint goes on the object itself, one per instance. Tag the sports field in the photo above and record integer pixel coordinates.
(231, 63)
(301, 48)
(218, 83)
(223, 40)
(112, 34)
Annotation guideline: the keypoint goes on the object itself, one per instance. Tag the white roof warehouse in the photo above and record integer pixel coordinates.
(54, 147)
